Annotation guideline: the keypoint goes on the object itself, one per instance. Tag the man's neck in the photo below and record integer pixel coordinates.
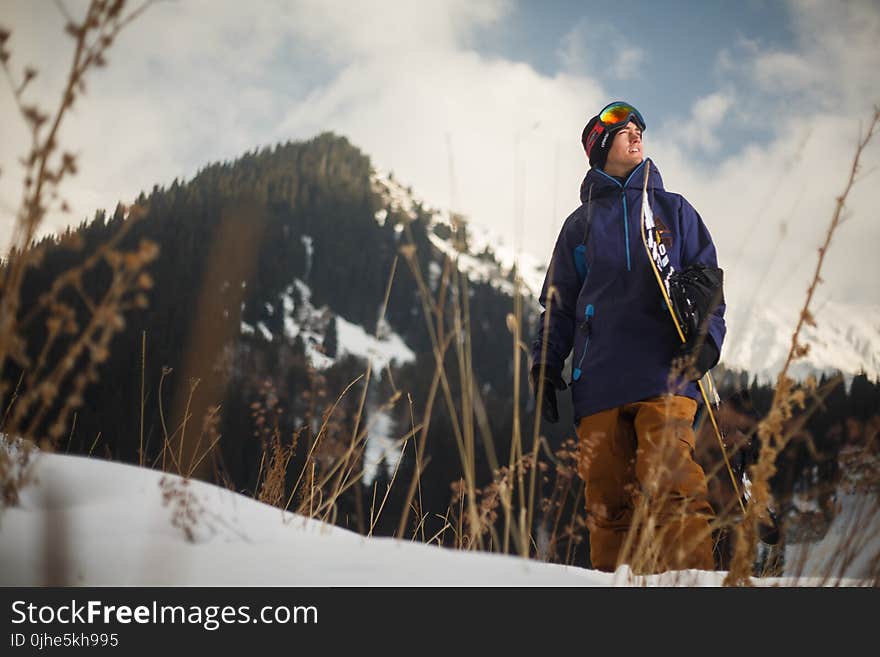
(619, 172)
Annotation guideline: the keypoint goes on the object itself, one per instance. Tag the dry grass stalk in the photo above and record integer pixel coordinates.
(348, 470)
(187, 511)
(15, 470)
(310, 458)
(516, 440)
(274, 484)
(433, 312)
(166, 440)
(476, 506)
(374, 519)
(417, 478)
(471, 408)
(787, 397)
(415, 482)
(141, 455)
(566, 484)
(211, 430)
(84, 347)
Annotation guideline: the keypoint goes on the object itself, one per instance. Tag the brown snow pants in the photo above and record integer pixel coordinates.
(637, 463)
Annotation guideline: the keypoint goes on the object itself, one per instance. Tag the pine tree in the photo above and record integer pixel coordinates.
(331, 338)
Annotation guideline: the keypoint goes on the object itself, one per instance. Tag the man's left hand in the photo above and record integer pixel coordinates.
(697, 364)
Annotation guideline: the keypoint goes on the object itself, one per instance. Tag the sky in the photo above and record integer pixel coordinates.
(753, 110)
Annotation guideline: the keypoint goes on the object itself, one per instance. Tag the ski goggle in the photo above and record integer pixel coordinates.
(619, 114)
(613, 116)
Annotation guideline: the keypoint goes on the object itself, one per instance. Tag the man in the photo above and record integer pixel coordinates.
(634, 408)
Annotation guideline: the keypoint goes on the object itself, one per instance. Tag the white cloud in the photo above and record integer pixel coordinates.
(699, 132)
(401, 111)
(183, 88)
(191, 83)
(836, 59)
(346, 30)
(593, 47)
(769, 204)
(784, 71)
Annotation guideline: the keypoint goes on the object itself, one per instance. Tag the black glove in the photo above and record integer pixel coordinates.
(695, 293)
(700, 363)
(552, 382)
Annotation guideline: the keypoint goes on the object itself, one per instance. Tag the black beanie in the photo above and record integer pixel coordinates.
(598, 151)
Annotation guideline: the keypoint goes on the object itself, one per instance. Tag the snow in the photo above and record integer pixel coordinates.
(264, 331)
(353, 339)
(851, 544)
(845, 338)
(308, 242)
(396, 196)
(476, 269)
(495, 273)
(434, 273)
(287, 301)
(306, 322)
(381, 447)
(805, 504)
(105, 524)
(291, 328)
(311, 324)
(238, 541)
(304, 291)
(530, 269)
(319, 360)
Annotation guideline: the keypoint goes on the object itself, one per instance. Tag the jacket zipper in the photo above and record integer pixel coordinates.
(587, 327)
(625, 218)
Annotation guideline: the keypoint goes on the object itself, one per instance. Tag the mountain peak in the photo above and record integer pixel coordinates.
(844, 339)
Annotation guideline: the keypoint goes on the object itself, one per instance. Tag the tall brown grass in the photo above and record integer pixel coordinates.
(507, 513)
(54, 389)
(788, 395)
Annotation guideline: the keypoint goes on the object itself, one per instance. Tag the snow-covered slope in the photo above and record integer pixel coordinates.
(109, 526)
(496, 261)
(487, 259)
(91, 522)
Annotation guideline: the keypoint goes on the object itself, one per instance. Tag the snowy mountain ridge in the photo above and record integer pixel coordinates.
(486, 258)
(846, 337)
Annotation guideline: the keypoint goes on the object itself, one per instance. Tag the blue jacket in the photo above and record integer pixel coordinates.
(610, 309)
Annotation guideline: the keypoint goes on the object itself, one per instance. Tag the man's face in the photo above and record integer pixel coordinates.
(626, 151)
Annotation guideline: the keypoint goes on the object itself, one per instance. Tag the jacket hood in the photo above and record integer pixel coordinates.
(603, 184)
